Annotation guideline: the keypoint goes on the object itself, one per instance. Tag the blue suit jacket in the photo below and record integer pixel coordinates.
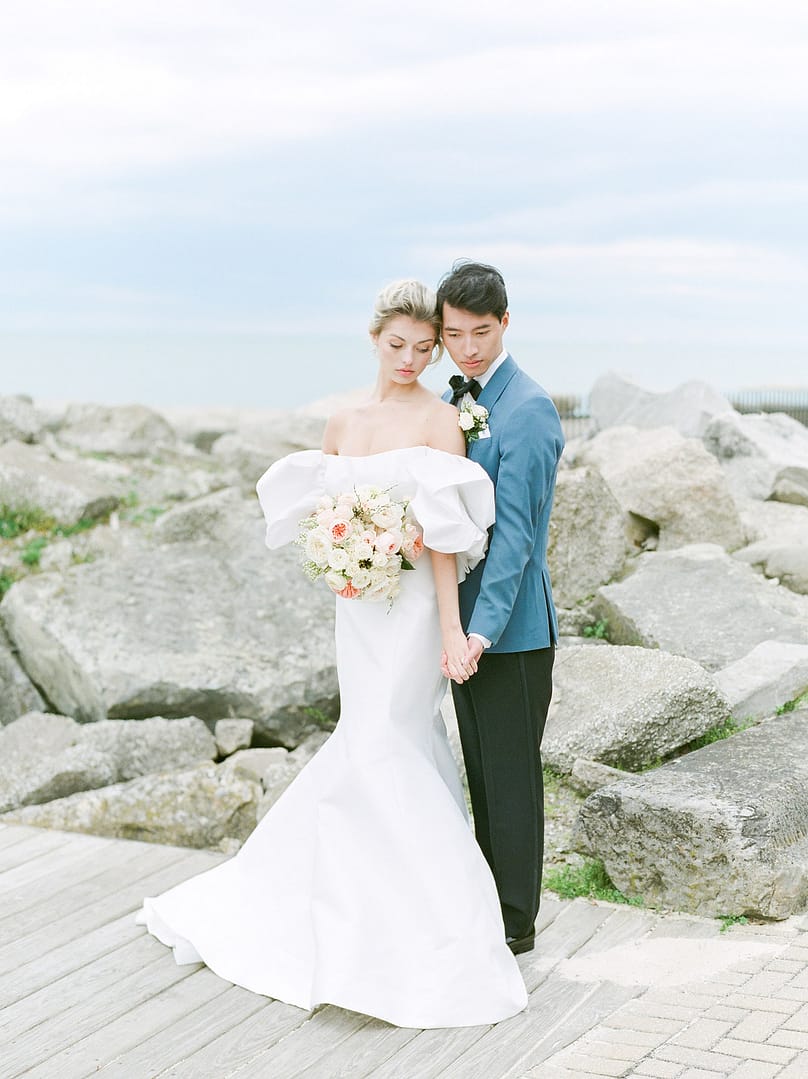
(508, 597)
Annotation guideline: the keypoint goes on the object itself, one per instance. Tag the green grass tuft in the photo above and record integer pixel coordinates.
(717, 734)
(6, 581)
(792, 706)
(599, 630)
(32, 551)
(589, 880)
(14, 520)
(728, 920)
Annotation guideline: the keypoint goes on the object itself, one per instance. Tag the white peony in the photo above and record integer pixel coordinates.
(360, 579)
(335, 581)
(318, 546)
(465, 421)
(386, 516)
(337, 558)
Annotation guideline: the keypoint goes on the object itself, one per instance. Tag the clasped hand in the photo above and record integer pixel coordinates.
(459, 657)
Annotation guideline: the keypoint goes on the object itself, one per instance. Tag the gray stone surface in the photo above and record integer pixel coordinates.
(209, 628)
(723, 830)
(754, 448)
(252, 448)
(121, 430)
(701, 603)
(64, 490)
(233, 734)
(18, 694)
(626, 707)
(588, 776)
(207, 518)
(669, 484)
(615, 400)
(789, 565)
(202, 807)
(769, 676)
(19, 419)
(791, 485)
(255, 763)
(45, 756)
(775, 524)
(587, 540)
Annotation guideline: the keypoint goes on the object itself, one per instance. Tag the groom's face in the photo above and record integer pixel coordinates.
(473, 341)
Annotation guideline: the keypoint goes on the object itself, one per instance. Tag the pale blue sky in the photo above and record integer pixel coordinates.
(198, 201)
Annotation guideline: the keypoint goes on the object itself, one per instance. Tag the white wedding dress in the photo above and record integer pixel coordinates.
(364, 886)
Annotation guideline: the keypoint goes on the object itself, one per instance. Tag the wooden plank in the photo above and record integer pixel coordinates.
(624, 925)
(23, 912)
(239, 1044)
(429, 1053)
(512, 1046)
(45, 1040)
(107, 908)
(15, 833)
(186, 1034)
(309, 1043)
(362, 1053)
(42, 873)
(31, 847)
(152, 1016)
(569, 931)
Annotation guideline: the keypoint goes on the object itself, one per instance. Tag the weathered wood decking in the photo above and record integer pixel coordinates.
(84, 991)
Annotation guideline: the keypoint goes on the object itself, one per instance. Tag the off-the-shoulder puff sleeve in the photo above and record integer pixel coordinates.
(454, 505)
(288, 491)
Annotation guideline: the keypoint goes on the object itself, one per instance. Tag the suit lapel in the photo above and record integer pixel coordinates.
(493, 389)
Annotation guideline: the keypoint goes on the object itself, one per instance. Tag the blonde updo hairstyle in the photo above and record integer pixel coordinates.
(412, 298)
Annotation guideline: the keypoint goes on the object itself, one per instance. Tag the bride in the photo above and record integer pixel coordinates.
(363, 886)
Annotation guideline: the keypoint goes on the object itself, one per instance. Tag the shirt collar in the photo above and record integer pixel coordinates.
(485, 378)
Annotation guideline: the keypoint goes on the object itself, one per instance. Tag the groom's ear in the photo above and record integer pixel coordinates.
(506, 318)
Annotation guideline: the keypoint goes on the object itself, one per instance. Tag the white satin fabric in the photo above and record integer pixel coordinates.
(364, 886)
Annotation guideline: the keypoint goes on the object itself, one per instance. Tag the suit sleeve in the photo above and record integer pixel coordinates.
(531, 446)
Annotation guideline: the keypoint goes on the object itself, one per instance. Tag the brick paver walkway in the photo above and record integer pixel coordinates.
(748, 1021)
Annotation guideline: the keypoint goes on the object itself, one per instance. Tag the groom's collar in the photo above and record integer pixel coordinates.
(504, 368)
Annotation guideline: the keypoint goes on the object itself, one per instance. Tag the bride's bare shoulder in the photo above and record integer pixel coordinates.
(444, 432)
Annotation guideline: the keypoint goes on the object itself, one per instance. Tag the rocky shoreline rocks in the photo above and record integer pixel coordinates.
(162, 677)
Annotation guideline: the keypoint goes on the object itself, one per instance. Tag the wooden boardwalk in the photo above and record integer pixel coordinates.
(84, 991)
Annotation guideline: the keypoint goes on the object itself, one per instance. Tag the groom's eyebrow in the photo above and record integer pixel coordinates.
(479, 326)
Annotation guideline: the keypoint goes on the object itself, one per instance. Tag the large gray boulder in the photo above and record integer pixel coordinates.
(120, 430)
(626, 707)
(587, 539)
(18, 694)
(253, 447)
(64, 490)
(791, 485)
(723, 830)
(773, 524)
(669, 484)
(45, 756)
(207, 806)
(701, 603)
(754, 448)
(208, 628)
(787, 564)
(19, 419)
(615, 400)
(210, 517)
(769, 676)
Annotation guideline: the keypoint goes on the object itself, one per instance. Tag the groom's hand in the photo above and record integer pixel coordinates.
(475, 650)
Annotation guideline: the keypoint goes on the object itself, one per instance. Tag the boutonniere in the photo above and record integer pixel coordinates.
(473, 421)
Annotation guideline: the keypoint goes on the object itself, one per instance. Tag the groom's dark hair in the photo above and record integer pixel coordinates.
(473, 286)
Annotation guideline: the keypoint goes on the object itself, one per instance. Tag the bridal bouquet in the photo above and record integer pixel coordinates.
(360, 541)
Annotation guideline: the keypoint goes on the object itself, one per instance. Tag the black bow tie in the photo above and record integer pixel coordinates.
(460, 387)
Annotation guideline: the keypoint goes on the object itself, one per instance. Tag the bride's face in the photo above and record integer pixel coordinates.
(404, 348)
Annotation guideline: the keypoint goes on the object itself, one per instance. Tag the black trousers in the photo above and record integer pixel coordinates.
(501, 712)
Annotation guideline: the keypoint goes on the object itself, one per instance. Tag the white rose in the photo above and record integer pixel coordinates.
(465, 421)
(380, 559)
(334, 580)
(360, 579)
(386, 516)
(337, 558)
(318, 546)
(479, 412)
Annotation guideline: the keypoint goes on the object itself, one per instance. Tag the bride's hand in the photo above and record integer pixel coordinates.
(456, 662)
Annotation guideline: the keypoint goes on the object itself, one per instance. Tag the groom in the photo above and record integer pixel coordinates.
(506, 603)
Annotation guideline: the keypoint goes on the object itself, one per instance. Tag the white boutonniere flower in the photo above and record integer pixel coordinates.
(473, 421)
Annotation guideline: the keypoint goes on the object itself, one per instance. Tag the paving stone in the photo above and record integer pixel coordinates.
(603, 1050)
(659, 1069)
(697, 1058)
(723, 1011)
(703, 1034)
(757, 1026)
(775, 1054)
(797, 1069)
(799, 1020)
(701, 1073)
(766, 983)
(764, 1004)
(756, 1069)
(793, 1039)
(633, 1036)
(784, 964)
(624, 1020)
